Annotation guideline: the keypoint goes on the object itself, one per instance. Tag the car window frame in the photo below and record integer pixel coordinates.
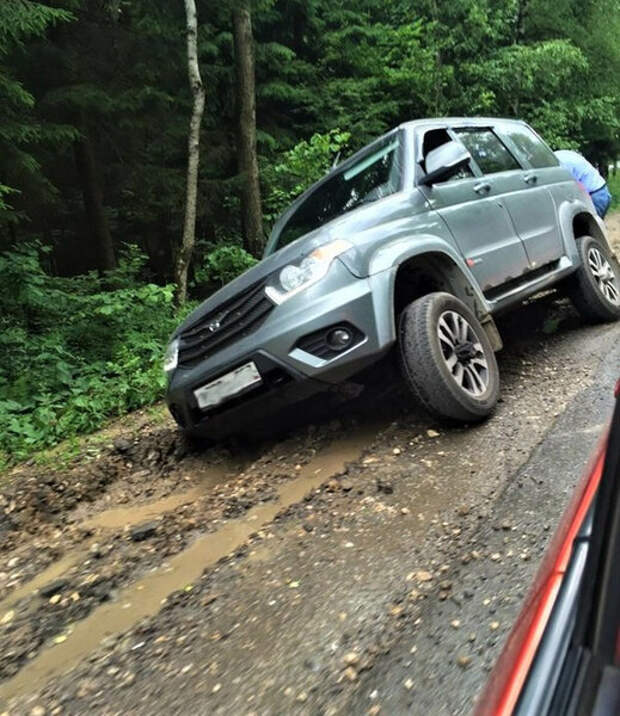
(517, 152)
(419, 173)
(486, 128)
(401, 154)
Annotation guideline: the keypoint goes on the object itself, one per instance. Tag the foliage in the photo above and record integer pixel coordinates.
(298, 168)
(74, 351)
(19, 129)
(222, 263)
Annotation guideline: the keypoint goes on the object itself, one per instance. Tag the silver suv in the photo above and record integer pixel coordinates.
(413, 244)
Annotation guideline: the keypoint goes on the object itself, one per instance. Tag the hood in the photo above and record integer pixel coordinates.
(260, 272)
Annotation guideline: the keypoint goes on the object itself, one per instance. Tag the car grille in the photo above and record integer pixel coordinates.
(232, 320)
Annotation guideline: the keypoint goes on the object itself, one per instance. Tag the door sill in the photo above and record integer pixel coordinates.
(529, 283)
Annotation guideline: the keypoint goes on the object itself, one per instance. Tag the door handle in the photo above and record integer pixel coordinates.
(530, 178)
(482, 187)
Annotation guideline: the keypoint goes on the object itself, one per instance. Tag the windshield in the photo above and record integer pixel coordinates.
(374, 176)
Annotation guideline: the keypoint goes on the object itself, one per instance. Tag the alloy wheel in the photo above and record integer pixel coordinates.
(604, 275)
(463, 353)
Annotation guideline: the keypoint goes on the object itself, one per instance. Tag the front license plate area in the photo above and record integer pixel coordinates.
(227, 386)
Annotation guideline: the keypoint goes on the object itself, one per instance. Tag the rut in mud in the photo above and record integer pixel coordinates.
(145, 597)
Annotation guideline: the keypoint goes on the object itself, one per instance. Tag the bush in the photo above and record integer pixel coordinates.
(298, 168)
(75, 351)
(220, 264)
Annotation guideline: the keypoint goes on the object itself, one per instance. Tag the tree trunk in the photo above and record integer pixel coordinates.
(193, 154)
(247, 159)
(93, 202)
(519, 27)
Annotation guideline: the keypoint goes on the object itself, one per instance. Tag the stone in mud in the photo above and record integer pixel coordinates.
(351, 659)
(122, 445)
(350, 673)
(144, 531)
(312, 665)
(49, 590)
(346, 484)
(384, 486)
(128, 679)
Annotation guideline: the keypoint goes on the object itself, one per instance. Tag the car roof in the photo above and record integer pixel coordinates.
(459, 121)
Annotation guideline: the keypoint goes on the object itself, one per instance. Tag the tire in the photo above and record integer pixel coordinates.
(426, 360)
(595, 287)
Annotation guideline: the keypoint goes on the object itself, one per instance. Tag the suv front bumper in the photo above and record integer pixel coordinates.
(289, 371)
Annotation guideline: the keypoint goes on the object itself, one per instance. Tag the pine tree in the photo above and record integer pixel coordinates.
(20, 21)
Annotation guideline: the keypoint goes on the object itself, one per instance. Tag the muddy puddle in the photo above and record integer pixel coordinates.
(206, 475)
(145, 597)
(120, 517)
(112, 519)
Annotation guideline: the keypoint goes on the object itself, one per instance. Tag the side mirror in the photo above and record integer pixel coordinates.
(443, 162)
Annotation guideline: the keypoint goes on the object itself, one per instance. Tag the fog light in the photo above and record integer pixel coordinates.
(339, 339)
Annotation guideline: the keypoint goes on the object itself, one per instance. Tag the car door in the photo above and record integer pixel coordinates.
(532, 207)
(472, 206)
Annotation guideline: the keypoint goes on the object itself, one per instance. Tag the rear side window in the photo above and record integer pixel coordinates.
(487, 150)
(530, 146)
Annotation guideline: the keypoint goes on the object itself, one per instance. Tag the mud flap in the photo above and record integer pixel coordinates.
(492, 333)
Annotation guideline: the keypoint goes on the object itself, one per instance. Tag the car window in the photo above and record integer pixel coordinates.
(530, 146)
(434, 138)
(374, 176)
(487, 150)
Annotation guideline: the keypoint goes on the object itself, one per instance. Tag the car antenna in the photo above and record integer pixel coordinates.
(336, 160)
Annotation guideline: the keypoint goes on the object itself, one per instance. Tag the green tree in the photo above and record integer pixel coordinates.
(20, 22)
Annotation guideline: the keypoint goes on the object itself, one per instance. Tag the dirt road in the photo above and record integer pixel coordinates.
(370, 563)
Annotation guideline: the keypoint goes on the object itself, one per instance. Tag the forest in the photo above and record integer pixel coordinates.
(95, 110)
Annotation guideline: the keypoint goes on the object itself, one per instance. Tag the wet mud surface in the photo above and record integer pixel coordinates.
(363, 564)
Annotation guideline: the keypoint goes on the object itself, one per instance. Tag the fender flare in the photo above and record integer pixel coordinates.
(459, 279)
(567, 212)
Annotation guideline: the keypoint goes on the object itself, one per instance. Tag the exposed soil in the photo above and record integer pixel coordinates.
(358, 565)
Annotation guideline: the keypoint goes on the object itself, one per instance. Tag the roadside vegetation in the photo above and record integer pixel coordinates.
(75, 350)
(95, 110)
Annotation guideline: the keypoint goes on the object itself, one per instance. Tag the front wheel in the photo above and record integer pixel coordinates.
(595, 287)
(447, 360)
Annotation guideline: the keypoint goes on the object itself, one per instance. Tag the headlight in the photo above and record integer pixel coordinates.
(171, 356)
(296, 277)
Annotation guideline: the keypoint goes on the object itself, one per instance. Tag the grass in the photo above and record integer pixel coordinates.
(91, 445)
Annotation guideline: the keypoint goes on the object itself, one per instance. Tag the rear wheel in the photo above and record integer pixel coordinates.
(447, 360)
(595, 286)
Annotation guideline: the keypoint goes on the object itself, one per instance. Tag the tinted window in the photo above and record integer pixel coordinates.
(374, 176)
(487, 150)
(530, 146)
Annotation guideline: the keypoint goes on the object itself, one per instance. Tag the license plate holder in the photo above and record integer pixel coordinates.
(228, 386)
